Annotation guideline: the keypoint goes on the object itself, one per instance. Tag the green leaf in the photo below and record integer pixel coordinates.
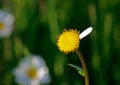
(79, 69)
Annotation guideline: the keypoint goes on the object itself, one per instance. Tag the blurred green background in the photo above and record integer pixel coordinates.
(37, 25)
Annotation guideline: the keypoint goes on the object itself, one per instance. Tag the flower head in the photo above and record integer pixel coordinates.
(32, 70)
(69, 40)
(6, 23)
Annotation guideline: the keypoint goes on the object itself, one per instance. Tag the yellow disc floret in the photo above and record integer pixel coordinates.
(1, 25)
(32, 73)
(68, 41)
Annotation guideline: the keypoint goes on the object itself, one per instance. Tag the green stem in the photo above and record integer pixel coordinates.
(83, 63)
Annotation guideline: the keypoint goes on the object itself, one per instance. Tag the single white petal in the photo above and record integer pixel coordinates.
(44, 75)
(85, 32)
(38, 61)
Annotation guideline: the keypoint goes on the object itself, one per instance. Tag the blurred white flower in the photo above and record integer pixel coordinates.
(32, 70)
(6, 23)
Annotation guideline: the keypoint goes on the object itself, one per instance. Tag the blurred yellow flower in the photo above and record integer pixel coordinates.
(68, 41)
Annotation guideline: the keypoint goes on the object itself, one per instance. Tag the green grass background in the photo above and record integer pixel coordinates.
(37, 25)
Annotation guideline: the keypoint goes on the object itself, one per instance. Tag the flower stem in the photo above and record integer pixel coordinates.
(83, 63)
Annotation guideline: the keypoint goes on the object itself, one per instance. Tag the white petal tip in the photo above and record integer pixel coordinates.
(90, 28)
(85, 32)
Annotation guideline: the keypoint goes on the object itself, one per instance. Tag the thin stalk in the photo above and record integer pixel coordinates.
(83, 63)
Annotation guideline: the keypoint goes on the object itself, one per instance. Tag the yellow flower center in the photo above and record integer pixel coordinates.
(1, 25)
(32, 73)
(68, 41)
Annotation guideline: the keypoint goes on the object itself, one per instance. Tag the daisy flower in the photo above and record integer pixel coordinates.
(6, 23)
(32, 70)
(69, 40)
